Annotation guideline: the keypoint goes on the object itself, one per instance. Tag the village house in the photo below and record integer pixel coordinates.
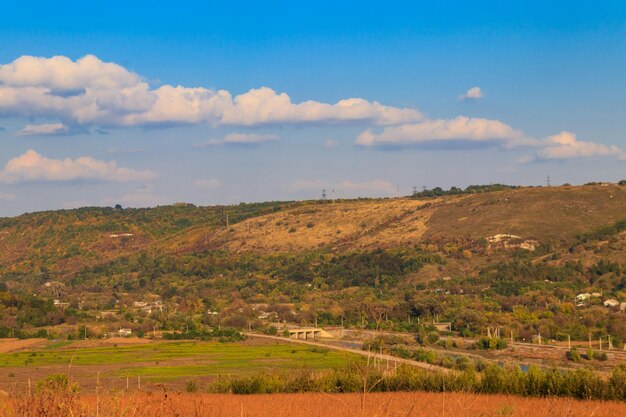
(125, 332)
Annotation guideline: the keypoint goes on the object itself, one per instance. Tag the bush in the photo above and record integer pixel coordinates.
(272, 330)
(423, 355)
(57, 383)
(491, 343)
(573, 355)
(495, 379)
(191, 386)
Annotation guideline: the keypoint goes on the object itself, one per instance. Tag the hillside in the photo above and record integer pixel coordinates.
(68, 240)
(545, 214)
(517, 257)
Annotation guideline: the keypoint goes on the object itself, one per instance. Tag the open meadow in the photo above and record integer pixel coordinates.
(119, 364)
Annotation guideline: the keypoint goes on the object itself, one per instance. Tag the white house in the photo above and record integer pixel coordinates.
(125, 332)
(611, 303)
(583, 296)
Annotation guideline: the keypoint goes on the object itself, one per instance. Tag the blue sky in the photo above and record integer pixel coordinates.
(452, 93)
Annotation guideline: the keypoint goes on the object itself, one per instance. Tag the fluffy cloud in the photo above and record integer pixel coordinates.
(239, 139)
(565, 145)
(44, 129)
(89, 91)
(31, 166)
(443, 131)
(208, 184)
(474, 93)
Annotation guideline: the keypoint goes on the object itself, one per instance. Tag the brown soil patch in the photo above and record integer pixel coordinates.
(14, 345)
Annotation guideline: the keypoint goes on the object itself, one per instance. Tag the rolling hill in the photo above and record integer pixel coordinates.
(67, 240)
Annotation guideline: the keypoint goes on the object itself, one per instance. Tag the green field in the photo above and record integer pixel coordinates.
(161, 361)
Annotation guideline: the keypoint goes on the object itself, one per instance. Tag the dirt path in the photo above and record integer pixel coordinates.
(379, 356)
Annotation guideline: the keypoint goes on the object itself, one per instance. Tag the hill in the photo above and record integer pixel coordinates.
(513, 256)
(67, 240)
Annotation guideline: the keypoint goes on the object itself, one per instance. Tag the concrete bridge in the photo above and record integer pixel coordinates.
(309, 333)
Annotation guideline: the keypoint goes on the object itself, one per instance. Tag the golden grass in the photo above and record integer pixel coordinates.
(542, 213)
(13, 345)
(344, 225)
(415, 404)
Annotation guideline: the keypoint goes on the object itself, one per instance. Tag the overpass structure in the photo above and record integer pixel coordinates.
(309, 333)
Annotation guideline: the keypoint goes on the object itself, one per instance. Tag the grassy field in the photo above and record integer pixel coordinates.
(171, 362)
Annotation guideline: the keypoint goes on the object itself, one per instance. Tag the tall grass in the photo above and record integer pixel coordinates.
(581, 384)
(402, 404)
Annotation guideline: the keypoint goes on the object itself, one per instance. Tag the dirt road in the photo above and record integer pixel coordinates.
(379, 356)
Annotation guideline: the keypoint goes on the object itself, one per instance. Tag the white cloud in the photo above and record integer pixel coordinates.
(7, 197)
(31, 166)
(44, 129)
(474, 93)
(239, 139)
(208, 184)
(565, 145)
(445, 131)
(89, 91)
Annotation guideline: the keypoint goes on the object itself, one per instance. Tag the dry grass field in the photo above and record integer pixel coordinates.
(545, 214)
(341, 225)
(416, 404)
(14, 345)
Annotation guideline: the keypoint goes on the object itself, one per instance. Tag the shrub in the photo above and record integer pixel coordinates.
(491, 343)
(191, 386)
(573, 355)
